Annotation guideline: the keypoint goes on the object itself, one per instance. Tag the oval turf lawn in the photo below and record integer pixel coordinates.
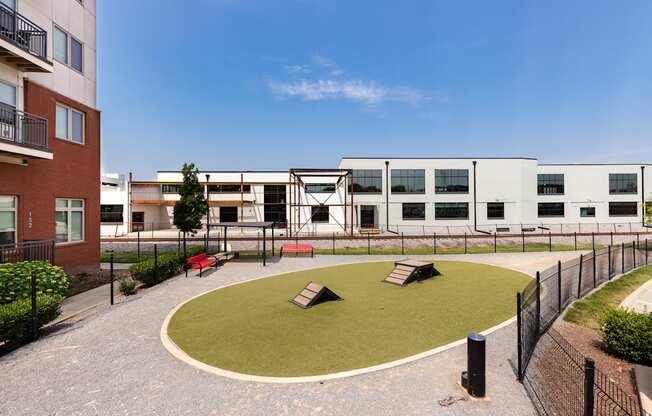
(252, 328)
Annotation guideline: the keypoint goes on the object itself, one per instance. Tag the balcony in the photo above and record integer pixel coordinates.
(22, 43)
(22, 135)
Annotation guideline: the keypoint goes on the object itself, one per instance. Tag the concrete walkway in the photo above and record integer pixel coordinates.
(113, 363)
(640, 300)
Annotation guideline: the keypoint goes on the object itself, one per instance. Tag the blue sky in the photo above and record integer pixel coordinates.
(243, 84)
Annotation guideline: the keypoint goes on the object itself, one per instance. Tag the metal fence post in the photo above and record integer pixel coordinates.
(622, 251)
(612, 237)
(633, 254)
(333, 243)
(402, 244)
(111, 276)
(589, 381)
(434, 243)
(34, 308)
(550, 241)
(594, 269)
(495, 242)
(465, 244)
(579, 280)
(646, 252)
(538, 304)
(523, 236)
(609, 269)
(138, 244)
(155, 262)
(593, 240)
(519, 340)
(575, 240)
(559, 286)
(368, 243)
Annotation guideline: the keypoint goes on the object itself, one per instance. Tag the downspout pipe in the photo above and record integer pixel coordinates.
(387, 198)
(475, 200)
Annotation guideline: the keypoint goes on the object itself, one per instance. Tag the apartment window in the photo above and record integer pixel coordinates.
(76, 54)
(228, 188)
(587, 212)
(320, 188)
(451, 181)
(623, 183)
(367, 181)
(623, 209)
(170, 188)
(8, 94)
(451, 210)
(7, 220)
(275, 209)
(496, 210)
(69, 124)
(410, 181)
(551, 209)
(319, 214)
(68, 50)
(550, 184)
(414, 211)
(69, 220)
(111, 214)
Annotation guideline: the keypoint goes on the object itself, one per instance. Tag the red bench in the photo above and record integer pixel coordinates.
(201, 261)
(298, 249)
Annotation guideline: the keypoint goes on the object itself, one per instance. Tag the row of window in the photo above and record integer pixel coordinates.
(619, 184)
(69, 220)
(616, 209)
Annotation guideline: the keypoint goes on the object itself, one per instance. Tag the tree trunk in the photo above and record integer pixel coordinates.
(185, 254)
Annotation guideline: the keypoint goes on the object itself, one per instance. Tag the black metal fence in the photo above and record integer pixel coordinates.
(545, 359)
(28, 251)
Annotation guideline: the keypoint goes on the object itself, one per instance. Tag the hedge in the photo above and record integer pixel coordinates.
(169, 265)
(628, 335)
(16, 317)
(16, 280)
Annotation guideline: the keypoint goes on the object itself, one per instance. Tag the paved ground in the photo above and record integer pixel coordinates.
(113, 363)
(640, 300)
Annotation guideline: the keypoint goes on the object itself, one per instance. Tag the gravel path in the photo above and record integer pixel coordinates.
(113, 363)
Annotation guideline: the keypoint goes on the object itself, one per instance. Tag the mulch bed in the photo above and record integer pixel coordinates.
(589, 343)
(86, 281)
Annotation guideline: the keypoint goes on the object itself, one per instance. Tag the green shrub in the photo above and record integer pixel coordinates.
(16, 317)
(628, 334)
(16, 280)
(127, 286)
(169, 265)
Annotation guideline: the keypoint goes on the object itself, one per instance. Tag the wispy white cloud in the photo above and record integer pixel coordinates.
(330, 65)
(297, 69)
(365, 92)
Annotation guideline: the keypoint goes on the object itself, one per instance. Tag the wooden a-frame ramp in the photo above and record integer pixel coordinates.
(406, 271)
(313, 294)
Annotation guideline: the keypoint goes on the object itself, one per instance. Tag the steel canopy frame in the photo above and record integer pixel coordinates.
(344, 178)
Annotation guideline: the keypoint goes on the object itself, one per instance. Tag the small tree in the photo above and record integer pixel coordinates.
(648, 211)
(191, 207)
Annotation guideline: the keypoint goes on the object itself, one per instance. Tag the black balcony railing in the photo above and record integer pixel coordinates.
(23, 128)
(23, 33)
(42, 250)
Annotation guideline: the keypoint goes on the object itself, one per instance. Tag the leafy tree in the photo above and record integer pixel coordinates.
(648, 211)
(192, 206)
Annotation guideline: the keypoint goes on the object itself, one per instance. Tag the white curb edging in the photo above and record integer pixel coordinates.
(178, 353)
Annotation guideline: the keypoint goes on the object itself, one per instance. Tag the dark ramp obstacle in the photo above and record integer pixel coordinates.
(313, 294)
(407, 271)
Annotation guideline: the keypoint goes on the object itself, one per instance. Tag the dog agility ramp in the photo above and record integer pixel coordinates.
(407, 271)
(313, 294)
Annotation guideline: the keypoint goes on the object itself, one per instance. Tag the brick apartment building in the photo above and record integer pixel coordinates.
(50, 128)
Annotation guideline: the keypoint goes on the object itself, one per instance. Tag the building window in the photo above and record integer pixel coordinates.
(320, 188)
(410, 181)
(111, 214)
(623, 183)
(228, 188)
(551, 209)
(367, 181)
(167, 188)
(414, 211)
(550, 184)
(7, 220)
(275, 208)
(451, 181)
(587, 212)
(496, 210)
(451, 210)
(7, 94)
(69, 220)
(69, 124)
(68, 50)
(76, 54)
(623, 209)
(319, 214)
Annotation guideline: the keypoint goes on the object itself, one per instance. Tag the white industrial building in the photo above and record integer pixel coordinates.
(413, 196)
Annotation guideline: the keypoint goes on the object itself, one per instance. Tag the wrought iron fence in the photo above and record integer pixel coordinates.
(23, 33)
(28, 251)
(23, 128)
(553, 372)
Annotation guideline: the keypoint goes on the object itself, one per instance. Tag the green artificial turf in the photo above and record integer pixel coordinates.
(252, 328)
(587, 312)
